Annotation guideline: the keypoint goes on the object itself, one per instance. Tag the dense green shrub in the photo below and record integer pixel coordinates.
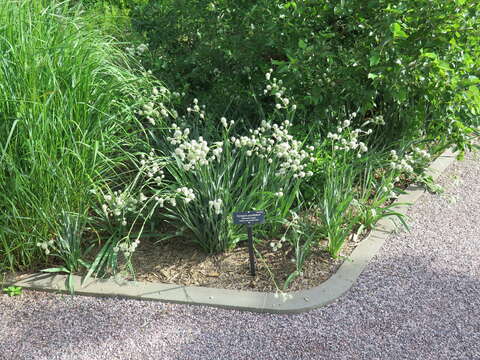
(66, 95)
(415, 62)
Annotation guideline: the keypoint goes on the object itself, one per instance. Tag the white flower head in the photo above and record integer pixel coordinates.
(224, 122)
(216, 205)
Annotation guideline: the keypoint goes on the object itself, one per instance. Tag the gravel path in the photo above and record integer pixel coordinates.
(418, 299)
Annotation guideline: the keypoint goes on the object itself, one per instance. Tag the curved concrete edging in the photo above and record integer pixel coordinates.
(296, 302)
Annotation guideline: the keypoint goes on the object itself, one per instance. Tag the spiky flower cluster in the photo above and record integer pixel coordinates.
(119, 203)
(225, 123)
(161, 201)
(421, 154)
(274, 142)
(191, 153)
(409, 161)
(188, 194)
(152, 166)
(216, 205)
(347, 139)
(402, 165)
(197, 109)
(154, 107)
(274, 87)
(388, 189)
(137, 50)
(126, 248)
(277, 245)
(46, 245)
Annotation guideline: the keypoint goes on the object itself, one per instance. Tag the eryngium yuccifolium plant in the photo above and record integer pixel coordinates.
(196, 179)
(195, 182)
(212, 180)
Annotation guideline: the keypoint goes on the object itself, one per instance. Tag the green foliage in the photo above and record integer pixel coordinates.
(198, 177)
(66, 95)
(337, 197)
(13, 290)
(89, 145)
(238, 180)
(110, 16)
(302, 235)
(373, 197)
(413, 62)
(69, 247)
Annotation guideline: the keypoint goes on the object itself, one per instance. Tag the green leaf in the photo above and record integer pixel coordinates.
(84, 263)
(58, 269)
(372, 76)
(472, 80)
(13, 290)
(302, 44)
(279, 63)
(70, 284)
(400, 94)
(9, 138)
(374, 60)
(430, 55)
(292, 4)
(99, 259)
(290, 278)
(397, 31)
(317, 94)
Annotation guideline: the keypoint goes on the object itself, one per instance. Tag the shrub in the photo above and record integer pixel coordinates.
(413, 62)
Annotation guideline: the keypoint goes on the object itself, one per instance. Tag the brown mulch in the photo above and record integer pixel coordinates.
(179, 262)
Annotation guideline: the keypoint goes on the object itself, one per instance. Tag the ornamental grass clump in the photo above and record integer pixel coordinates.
(301, 235)
(67, 125)
(68, 246)
(359, 185)
(356, 183)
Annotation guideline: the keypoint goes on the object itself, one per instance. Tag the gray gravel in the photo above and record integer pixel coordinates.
(419, 298)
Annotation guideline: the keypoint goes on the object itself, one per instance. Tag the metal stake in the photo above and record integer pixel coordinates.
(250, 249)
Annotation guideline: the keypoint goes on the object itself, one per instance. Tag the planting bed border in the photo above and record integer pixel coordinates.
(299, 301)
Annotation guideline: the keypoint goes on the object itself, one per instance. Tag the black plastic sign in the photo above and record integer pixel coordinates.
(249, 217)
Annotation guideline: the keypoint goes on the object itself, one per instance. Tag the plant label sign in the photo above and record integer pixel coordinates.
(249, 217)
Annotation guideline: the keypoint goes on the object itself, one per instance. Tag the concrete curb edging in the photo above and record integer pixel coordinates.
(296, 302)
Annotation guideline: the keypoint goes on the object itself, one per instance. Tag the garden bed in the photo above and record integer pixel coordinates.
(179, 262)
(322, 145)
